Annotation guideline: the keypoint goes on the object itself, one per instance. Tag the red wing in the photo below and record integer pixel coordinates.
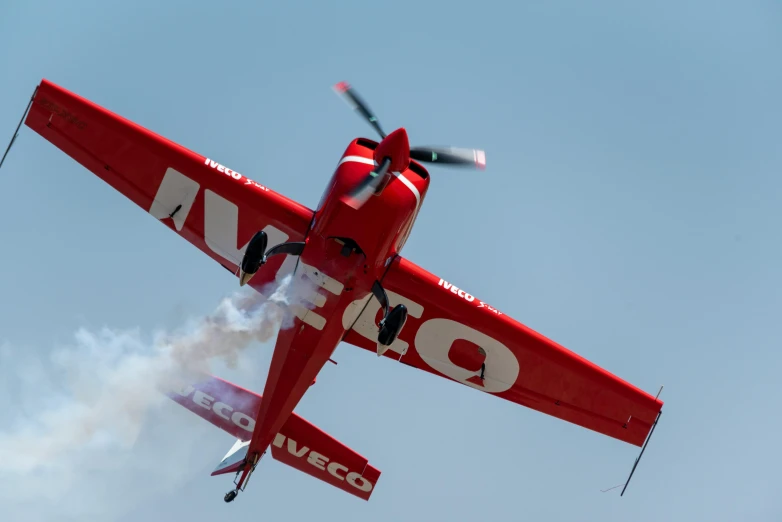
(215, 208)
(456, 335)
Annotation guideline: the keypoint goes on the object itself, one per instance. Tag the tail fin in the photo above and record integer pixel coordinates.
(299, 444)
(232, 462)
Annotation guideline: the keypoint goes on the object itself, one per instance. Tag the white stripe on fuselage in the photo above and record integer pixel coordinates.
(407, 183)
(357, 159)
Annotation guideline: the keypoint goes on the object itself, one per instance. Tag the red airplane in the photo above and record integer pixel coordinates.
(358, 289)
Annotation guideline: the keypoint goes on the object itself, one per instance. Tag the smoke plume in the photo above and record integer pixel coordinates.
(94, 396)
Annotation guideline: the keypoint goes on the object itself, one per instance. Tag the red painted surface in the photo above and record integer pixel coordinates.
(446, 325)
(305, 447)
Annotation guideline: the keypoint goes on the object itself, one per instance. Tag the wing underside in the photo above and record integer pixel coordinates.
(212, 206)
(455, 335)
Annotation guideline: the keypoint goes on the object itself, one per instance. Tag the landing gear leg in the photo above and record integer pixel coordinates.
(256, 255)
(243, 476)
(392, 321)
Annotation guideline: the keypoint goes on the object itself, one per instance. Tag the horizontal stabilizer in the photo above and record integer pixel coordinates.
(299, 444)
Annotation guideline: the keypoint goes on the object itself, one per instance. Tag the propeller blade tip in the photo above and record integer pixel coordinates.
(480, 159)
(342, 87)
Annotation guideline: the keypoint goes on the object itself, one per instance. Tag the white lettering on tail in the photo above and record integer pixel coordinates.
(294, 451)
(316, 459)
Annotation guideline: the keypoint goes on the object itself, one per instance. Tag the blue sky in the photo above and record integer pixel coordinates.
(630, 211)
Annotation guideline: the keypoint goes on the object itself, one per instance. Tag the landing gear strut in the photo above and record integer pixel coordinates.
(256, 255)
(243, 475)
(392, 321)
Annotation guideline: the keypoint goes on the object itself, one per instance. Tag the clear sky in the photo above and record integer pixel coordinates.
(630, 211)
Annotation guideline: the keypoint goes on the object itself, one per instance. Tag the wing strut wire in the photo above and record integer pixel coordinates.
(651, 432)
(16, 132)
(642, 453)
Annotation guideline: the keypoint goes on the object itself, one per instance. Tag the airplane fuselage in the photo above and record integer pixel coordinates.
(346, 251)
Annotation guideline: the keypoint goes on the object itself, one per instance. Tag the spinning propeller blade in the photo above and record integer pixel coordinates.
(450, 156)
(454, 156)
(367, 186)
(355, 101)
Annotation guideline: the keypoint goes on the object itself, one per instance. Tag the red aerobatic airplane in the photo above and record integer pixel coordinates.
(362, 291)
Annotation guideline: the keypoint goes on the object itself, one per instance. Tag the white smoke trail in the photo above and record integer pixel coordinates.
(113, 381)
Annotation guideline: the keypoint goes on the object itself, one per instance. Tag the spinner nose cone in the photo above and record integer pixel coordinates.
(397, 147)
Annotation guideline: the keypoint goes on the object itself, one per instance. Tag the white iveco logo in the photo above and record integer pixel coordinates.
(247, 423)
(433, 338)
(176, 196)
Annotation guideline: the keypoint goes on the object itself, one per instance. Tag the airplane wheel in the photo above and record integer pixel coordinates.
(254, 253)
(230, 496)
(392, 325)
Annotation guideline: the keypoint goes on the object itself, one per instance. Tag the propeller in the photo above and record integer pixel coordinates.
(452, 156)
(367, 186)
(354, 100)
